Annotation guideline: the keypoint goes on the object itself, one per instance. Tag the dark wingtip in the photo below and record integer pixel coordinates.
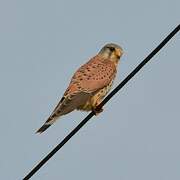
(43, 128)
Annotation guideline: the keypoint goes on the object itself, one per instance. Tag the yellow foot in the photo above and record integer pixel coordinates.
(97, 111)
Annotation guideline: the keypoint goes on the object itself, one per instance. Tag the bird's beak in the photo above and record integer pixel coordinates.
(118, 53)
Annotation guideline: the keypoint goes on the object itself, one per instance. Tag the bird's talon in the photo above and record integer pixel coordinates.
(97, 111)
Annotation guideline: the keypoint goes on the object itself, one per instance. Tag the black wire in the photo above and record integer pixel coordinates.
(90, 115)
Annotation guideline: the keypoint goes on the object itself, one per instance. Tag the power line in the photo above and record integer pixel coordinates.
(90, 115)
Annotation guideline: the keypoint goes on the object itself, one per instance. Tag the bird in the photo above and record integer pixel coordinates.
(89, 84)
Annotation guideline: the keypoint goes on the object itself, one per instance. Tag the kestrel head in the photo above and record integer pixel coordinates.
(111, 51)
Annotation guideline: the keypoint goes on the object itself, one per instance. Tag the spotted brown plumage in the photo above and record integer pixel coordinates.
(89, 85)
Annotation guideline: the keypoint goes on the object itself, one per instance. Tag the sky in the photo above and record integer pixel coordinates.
(42, 43)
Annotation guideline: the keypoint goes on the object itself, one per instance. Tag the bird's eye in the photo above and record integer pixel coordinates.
(111, 48)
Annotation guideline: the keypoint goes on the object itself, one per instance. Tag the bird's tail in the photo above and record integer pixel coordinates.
(47, 124)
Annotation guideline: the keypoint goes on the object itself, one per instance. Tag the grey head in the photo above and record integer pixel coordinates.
(111, 51)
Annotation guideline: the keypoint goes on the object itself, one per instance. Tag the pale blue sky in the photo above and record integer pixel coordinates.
(42, 43)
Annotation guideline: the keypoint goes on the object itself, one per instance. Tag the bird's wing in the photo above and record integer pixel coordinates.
(67, 104)
(88, 79)
(94, 75)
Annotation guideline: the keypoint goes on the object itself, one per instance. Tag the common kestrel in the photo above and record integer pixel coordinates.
(89, 85)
